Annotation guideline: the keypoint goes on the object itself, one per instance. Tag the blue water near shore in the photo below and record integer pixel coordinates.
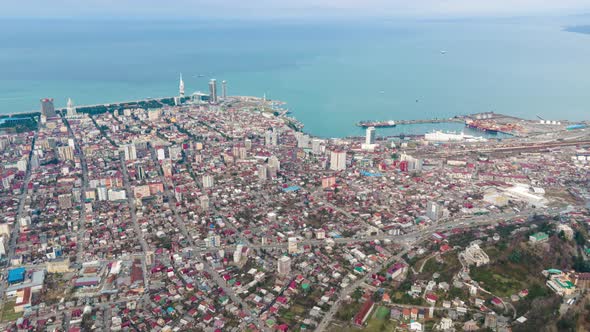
(331, 74)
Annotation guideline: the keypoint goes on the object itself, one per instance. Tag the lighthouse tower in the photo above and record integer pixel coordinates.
(181, 87)
(71, 110)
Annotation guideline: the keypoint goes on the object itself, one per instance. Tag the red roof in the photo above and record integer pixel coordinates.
(359, 317)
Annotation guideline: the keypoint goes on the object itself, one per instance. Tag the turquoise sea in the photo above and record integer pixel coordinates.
(331, 74)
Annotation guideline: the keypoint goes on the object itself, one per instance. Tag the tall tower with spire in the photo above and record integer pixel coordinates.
(181, 87)
(71, 110)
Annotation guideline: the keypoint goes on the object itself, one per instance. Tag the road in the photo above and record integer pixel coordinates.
(131, 202)
(16, 228)
(345, 292)
(214, 275)
(325, 203)
(82, 222)
(410, 240)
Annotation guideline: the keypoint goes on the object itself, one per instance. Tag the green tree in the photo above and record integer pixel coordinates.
(515, 256)
(579, 237)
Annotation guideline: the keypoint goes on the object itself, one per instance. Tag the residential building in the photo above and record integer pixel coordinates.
(207, 181)
(130, 151)
(284, 265)
(47, 108)
(538, 238)
(433, 211)
(338, 160)
(292, 245)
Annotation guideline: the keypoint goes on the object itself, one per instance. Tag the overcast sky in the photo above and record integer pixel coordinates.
(290, 8)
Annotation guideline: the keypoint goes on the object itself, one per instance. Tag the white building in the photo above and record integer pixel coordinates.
(117, 194)
(292, 246)
(275, 139)
(338, 160)
(433, 211)
(274, 162)
(316, 146)
(439, 136)
(475, 255)
(213, 241)
(161, 154)
(130, 151)
(207, 181)
(284, 265)
(370, 136)
(102, 193)
(204, 201)
(4, 239)
(262, 174)
(238, 253)
(414, 164)
(71, 110)
(181, 87)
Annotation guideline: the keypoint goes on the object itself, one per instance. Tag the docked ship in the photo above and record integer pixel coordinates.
(376, 124)
(482, 126)
(576, 126)
(439, 136)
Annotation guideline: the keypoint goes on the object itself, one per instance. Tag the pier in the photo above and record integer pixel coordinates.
(393, 123)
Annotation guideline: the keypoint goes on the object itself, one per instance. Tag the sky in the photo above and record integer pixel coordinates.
(248, 9)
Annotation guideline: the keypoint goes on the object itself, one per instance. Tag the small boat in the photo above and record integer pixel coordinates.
(443, 52)
(381, 92)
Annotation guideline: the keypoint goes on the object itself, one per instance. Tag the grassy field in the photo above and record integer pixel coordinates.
(502, 285)
(378, 322)
(8, 313)
(447, 269)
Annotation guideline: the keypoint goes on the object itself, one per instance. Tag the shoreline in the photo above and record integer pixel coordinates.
(161, 102)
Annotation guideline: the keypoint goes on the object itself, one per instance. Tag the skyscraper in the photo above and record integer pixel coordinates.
(71, 110)
(181, 87)
(204, 201)
(433, 211)
(223, 89)
(207, 181)
(273, 161)
(262, 172)
(284, 265)
(316, 146)
(130, 151)
(213, 91)
(338, 160)
(370, 138)
(275, 136)
(47, 108)
(268, 137)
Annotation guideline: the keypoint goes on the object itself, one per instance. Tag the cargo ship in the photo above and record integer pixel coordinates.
(376, 124)
(478, 125)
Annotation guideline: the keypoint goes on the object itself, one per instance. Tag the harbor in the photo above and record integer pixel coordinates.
(488, 123)
(393, 123)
